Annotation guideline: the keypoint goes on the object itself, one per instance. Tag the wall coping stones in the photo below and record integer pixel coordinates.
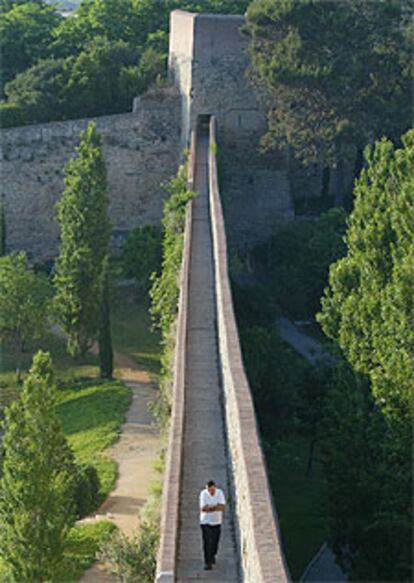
(258, 533)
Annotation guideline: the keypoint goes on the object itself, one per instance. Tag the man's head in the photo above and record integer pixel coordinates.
(211, 487)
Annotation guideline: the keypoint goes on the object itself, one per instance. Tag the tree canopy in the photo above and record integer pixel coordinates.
(368, 308)
(26, 31)
(24, 298)
(331, 72)
(90, 63)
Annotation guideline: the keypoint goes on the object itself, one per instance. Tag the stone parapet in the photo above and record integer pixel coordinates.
(257, 525)
(167, 552)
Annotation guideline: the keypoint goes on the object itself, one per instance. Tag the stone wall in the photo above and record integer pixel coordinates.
(258, 533)
(141, 149)
(167, 551)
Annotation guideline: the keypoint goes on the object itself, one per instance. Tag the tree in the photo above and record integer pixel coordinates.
(36, 498)
(25, 35)
(297, 261)
(368, 308)
(94, 85)
(38, 93)
(141, 254)
(331, 73)
(369, 483)
(85, 233)
(24, 298)
(105, 338)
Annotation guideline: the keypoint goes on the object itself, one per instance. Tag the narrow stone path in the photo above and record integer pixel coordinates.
(204, 440)
(135, 453)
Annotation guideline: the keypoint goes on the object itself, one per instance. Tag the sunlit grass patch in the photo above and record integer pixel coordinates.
(80, 549)
(92, 412)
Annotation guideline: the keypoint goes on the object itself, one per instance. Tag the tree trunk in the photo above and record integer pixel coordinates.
(311, 454)
(339, 177)
(105, 338)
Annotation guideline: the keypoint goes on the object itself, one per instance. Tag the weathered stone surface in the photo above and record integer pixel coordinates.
(142, 149)
(208, 63)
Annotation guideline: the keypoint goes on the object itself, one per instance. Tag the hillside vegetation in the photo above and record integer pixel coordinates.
(92, 62)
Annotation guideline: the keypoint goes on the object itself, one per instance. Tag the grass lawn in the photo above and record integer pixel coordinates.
(300, 501)
(81, 547)
(91, 410)
(132, 329)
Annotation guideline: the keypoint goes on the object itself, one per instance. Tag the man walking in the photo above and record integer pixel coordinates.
(212, 506)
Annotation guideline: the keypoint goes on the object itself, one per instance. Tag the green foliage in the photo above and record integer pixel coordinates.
(3, 230)
(86, 490)
(81, 547)
(141, 254)
(25, 34)
(212, 6)
(36, 94)
(92, 412)
(288, 395)
(331, 72)
(368, 308)
(164, 292)
(24, 298)
(10, 115)
(133, 559)
(369, 477)
(297, 261)
(132, 331)
(85, 233)
(300, 499)
(36, 489)
(91, 63)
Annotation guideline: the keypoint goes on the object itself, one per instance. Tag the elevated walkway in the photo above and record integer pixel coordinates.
(204, 439)
(213, 431)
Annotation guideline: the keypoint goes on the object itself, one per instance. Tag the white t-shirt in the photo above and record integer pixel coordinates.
(206, 499)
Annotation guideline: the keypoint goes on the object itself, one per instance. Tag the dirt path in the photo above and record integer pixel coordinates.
(135, 453)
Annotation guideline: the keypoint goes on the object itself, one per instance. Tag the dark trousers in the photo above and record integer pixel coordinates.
(211, 538)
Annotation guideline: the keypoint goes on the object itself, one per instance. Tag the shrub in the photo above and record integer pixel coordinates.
(11, 115)
(132, 559)
(87, 488)
(141, 255)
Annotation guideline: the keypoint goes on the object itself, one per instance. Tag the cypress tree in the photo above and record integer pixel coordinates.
(85, 232)
(36, 489)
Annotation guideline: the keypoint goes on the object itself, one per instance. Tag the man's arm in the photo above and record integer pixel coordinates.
(221, 506)
(215, 508)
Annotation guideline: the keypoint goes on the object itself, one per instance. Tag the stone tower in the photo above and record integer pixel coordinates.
(208, 63)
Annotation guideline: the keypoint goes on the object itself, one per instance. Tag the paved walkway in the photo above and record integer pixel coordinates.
(323, 568)
(204, 442)
(308, 347)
